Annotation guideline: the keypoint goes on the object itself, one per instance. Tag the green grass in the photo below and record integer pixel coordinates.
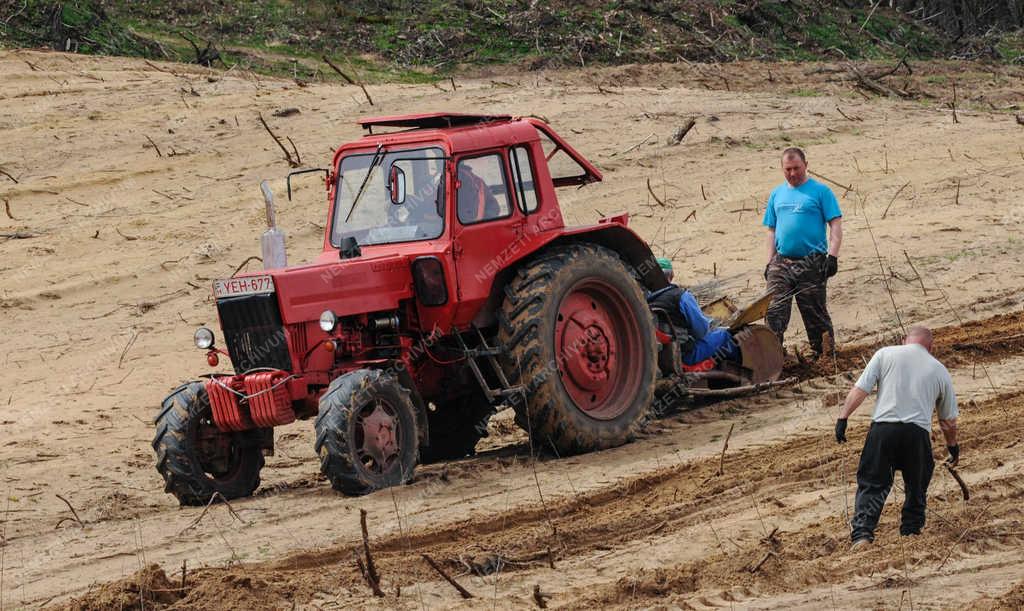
(1011, 47)
(423, 40)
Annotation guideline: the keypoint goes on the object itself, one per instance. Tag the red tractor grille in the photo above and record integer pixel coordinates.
(269, 403)
(227, 414)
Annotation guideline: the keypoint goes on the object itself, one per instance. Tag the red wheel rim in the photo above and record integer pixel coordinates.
(597, 348)
(378, 437)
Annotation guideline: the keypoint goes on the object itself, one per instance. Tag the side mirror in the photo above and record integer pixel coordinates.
(396, 185)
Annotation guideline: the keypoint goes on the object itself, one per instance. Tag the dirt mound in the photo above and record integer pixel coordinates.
(970, 343)
(148, 588)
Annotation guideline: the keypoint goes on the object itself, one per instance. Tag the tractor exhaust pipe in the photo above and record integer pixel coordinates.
(272, 241)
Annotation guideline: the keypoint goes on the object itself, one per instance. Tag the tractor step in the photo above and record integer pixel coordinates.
(495, 396)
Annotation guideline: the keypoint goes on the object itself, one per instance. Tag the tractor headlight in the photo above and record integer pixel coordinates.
(328, 320)
(204, 338)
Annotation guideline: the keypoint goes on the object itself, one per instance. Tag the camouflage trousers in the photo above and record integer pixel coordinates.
(805, 280)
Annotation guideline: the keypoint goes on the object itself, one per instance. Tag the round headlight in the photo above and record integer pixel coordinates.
(328, 320)
(204, 338)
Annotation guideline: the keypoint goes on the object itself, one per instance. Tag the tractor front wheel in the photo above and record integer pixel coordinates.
(581, 340)
(195, 458)
(366, 433)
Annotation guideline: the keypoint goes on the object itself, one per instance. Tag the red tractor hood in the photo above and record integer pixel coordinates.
(352, 286)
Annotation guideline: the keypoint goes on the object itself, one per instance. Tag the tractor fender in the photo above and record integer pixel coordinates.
(612, 233)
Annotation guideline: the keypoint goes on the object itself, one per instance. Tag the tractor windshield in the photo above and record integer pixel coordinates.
(362, 205)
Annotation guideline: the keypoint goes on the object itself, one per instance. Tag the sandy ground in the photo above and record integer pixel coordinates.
(118, 243)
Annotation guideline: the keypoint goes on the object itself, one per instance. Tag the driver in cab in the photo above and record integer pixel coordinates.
(475, 200)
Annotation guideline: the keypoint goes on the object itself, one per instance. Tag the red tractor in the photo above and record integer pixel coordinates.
(448, 286)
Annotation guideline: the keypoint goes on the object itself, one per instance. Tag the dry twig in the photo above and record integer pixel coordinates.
(73, 512)
(463, 592)
(651, 191)
(680, 132)
(539, 597)
(959, 480)
(885, 281)
(127, 346)
(637, 145)
(827, 179)
(293, 162)
(952, 105)
(347, 78)
(213, 498)
(725, 446)
(894, 199)
(372, 576)
(848, 117)
(243, 264)
(919, 278)
(972, 523)
(758, 566)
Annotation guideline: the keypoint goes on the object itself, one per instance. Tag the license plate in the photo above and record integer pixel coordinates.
(251, 285)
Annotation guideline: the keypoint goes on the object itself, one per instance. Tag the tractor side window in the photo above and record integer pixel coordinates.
(483, 193)
(522, 175)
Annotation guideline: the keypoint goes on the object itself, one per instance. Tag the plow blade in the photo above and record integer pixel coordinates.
(762, 353)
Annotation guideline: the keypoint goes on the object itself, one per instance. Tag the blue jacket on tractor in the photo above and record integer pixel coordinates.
(706, 342)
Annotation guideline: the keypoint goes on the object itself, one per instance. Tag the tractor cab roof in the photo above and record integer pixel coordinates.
(431, 120)
(466, 133)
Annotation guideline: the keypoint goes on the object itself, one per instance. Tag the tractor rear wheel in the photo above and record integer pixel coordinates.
(581, 341)
(195, 458)
(366, 433)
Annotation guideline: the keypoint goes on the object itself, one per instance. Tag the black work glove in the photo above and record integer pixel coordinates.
(954, 454)
(840, 430)
(831, 266)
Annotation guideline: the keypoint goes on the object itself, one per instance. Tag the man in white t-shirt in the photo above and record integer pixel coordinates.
(911, 385)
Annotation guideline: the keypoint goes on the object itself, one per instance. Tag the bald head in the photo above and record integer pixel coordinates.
(919, 335)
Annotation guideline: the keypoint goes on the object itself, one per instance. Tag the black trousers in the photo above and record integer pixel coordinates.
(891, 447)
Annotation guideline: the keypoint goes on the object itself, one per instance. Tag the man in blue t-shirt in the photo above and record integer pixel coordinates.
(801, 258)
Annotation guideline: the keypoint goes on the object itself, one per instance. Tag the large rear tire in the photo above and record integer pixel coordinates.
(195, 458)
(581, 340)
(366, 433)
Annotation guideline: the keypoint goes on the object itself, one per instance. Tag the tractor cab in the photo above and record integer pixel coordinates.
(438, 174)
(469, 191)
